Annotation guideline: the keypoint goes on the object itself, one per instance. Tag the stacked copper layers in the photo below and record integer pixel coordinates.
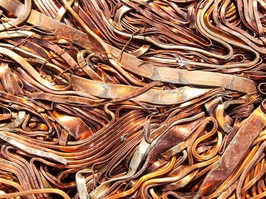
(132, 99)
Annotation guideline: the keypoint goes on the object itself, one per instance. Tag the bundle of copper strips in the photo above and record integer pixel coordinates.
(133, 99)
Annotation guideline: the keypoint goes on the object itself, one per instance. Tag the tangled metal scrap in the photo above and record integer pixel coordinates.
(132, 99)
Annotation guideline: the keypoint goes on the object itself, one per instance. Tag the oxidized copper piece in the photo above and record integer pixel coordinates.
(132, 99)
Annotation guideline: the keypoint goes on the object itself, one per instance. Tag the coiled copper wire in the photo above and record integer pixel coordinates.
(132, 99)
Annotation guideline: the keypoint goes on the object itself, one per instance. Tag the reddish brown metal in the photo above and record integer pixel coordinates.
(132, 99)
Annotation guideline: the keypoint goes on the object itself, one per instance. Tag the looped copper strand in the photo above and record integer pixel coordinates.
(139, 99)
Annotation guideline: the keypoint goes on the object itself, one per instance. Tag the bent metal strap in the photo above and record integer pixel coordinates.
(246, 134)
(135, 65)
(136, 99)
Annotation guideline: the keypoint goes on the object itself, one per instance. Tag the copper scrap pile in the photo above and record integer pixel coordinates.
(132, 99)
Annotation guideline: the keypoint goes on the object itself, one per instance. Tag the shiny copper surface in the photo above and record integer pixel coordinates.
(132, 99)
